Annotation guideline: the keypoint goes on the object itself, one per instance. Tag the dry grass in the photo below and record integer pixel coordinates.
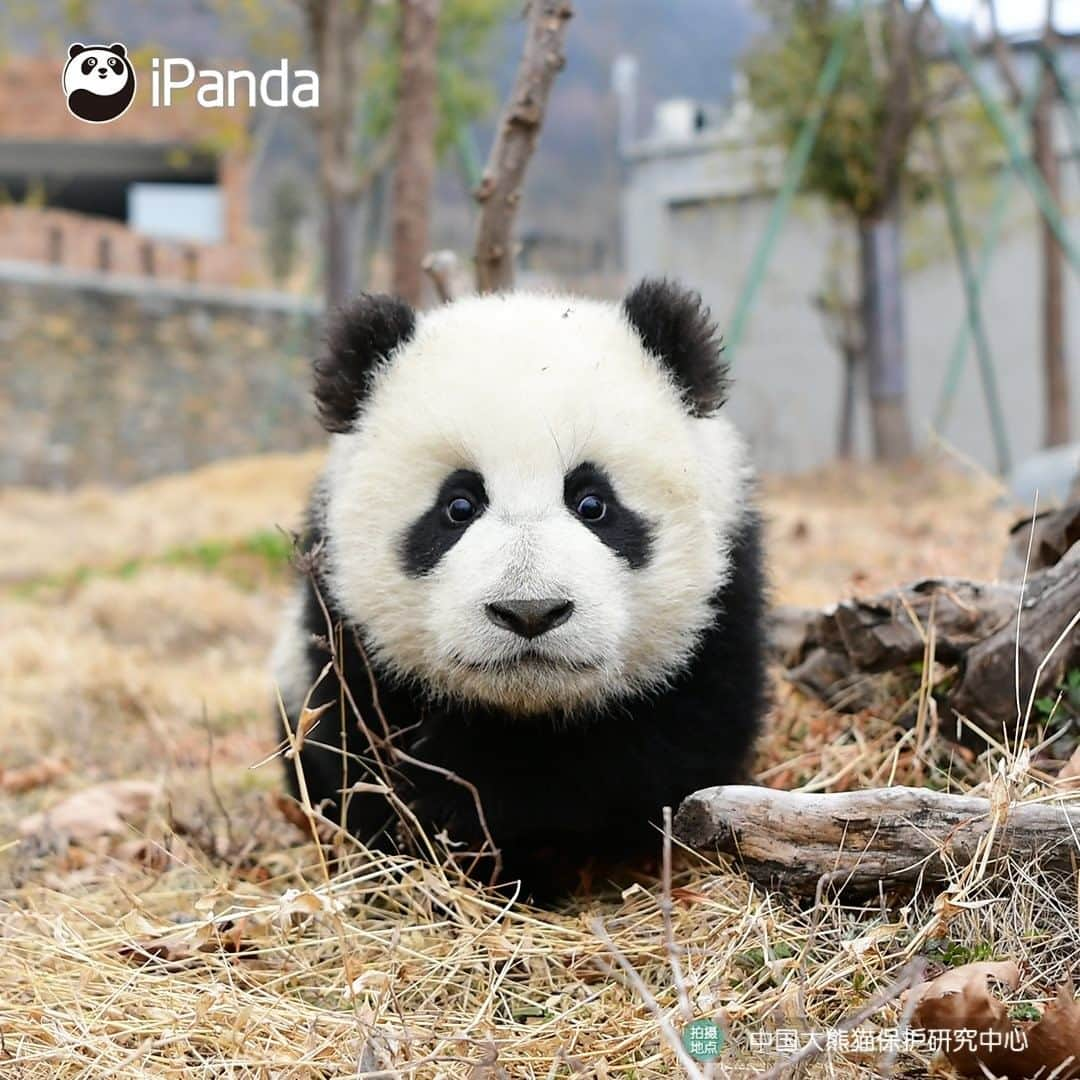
(94, 526)
(209, 941)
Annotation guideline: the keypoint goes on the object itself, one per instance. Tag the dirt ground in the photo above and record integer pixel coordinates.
(134, 633)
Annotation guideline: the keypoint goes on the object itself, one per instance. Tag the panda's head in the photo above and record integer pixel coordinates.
(99, 82)
(529, 498)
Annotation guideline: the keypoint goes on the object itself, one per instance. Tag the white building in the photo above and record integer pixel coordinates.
(696, 199)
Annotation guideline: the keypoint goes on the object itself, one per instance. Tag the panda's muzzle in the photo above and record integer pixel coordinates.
(530, 618)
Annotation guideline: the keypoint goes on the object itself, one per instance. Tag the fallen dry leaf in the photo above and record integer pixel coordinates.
(103, 810)
(45, 771)
(681, 894)
(980, 1036)
(1056, 1038)
(193, 944)
(295, 814)
(488, 1067)
(960, 1000)
(298, 904)
(308, 719)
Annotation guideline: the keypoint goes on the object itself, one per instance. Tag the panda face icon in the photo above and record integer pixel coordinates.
(99, 82)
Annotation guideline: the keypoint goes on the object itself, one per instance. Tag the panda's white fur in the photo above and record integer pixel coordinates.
(522, 388)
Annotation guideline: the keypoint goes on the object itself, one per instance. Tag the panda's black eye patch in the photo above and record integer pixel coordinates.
(460, 501)
(590, 496)
(114, 63)
(88, 65)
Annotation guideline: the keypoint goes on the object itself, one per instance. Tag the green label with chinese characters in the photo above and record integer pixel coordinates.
(703, 1039)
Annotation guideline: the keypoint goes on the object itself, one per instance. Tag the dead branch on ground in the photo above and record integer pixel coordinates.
(862, 839)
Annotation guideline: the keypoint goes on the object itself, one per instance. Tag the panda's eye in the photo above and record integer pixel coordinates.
(114, 63)
(88, 65)
(460, 510)
(591, 508)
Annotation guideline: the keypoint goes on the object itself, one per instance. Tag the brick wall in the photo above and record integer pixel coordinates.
(81, 242)
(115, 380)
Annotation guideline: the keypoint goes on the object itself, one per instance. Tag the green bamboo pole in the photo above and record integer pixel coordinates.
(958, 356)
(794, 167)
(1020, 161)
(973, 307)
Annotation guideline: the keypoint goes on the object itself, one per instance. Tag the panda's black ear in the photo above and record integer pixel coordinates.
(75, 49)
(676, 327)
(117, 48)
(360, 337)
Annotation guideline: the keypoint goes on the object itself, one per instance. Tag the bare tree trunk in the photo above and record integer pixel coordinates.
(335, 28)
(499, 193)
(339, 246)
(417, 123)
(881, 276)
(1055, 369)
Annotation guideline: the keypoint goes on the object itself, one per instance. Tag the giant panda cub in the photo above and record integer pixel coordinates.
(535, 551)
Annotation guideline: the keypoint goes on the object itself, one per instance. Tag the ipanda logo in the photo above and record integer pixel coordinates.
(99, 83)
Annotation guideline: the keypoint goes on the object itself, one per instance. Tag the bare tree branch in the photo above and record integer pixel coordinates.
(637, 984)
(499, 192)
(416, 124)
(440, 267)
(334, 30)
(1003, 56)
(902, 109)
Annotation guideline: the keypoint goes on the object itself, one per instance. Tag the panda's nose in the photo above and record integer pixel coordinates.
(530, 618)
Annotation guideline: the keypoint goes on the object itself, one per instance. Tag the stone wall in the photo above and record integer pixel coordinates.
(117, 380)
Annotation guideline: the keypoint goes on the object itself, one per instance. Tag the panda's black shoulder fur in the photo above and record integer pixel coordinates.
(555, 793)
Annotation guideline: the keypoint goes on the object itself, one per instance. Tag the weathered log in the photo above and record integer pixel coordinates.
(974, 628)
(1039, 542)
(861, 839)
(787, 627)
(986, 691)
(886, 632)
(889, 631)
